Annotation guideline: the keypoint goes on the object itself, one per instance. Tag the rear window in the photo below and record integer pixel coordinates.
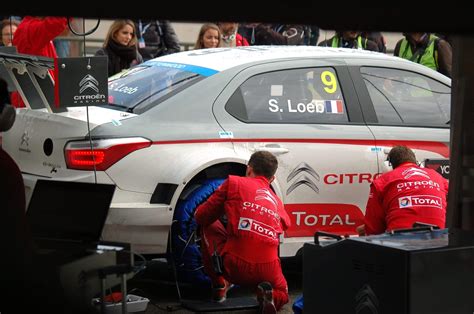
(146, 85)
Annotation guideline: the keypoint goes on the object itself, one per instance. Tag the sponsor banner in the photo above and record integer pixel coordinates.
(306, 219)
(350, 178)
(247, 224)
(425, 184)
(185, 67)
(420, 200)
(81, 81)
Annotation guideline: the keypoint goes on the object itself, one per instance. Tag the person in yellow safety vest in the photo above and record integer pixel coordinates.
(349, 39)
(426, 49)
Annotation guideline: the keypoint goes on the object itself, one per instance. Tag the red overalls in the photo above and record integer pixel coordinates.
(406, 195)
(249, 242)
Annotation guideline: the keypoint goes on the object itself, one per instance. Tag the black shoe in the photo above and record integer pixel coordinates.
(265, 298)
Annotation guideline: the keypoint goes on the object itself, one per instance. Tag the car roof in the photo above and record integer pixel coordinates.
(220, 59)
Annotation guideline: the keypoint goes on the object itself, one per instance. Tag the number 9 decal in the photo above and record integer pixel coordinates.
(329, 79)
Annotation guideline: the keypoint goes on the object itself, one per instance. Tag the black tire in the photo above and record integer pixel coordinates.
(185, 242)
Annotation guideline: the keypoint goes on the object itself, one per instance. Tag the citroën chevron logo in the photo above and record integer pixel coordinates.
(88, 82)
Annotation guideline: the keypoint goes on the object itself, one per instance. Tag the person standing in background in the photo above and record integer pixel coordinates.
(349, 39)
(426, 49)
(230, 37)
(247, 31)
(156, 38)
(311, 35)
(34, 36)
(209, 36)
(279, 34)
(120, 46)
(8, 28)
(378, 38)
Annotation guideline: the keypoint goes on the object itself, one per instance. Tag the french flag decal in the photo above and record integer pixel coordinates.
(333, 106)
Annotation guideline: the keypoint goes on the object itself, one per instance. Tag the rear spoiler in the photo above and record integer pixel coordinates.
(30, 76)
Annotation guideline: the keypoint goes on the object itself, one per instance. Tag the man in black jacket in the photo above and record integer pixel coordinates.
(156, 38)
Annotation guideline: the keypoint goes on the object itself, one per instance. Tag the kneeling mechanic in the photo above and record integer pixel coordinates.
(248, 244)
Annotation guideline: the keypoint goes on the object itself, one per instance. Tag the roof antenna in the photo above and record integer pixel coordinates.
(84, 34)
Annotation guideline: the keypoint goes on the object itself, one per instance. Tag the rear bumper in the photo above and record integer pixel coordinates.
(82, 176)
(145, 226)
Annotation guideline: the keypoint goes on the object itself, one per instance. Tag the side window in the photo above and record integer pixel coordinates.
(310, 95)
(403, 97)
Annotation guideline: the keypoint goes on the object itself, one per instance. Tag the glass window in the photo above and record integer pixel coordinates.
(310, 95)
(404, 97)
(146, 85)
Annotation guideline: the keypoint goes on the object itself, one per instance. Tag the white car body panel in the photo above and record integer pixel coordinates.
(192, 131)
(195, 158)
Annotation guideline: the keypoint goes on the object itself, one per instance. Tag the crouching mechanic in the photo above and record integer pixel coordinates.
(248, 244)
(405, 195)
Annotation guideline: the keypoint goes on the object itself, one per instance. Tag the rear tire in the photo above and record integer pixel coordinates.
(185, 246)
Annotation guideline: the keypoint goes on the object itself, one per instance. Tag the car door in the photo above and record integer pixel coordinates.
(404, 107)
(307, 114)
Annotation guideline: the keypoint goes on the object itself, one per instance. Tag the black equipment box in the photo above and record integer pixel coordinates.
(413, 273)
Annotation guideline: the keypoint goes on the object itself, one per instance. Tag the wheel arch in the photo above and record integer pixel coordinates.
(217, 169)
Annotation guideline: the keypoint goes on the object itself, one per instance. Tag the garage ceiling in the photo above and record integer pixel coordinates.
(363, 15)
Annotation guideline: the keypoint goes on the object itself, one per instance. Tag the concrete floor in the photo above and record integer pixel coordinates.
(157, 284)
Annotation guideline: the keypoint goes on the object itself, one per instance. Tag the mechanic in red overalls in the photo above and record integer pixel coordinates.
(405, 195)
(249, 242)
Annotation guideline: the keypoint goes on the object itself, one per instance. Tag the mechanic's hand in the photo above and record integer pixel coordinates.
(361, 230)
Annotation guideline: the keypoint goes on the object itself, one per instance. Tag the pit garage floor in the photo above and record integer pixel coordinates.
(156, 283)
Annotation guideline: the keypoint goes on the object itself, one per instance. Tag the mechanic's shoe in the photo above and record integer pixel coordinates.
(265, 298)
(219, 293)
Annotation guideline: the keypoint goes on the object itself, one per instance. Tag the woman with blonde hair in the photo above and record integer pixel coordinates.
(209, 36)
(120, 46)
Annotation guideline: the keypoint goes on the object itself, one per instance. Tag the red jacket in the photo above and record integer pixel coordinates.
(256, 217)
(406, 195)
(34, 37)
(240, 41)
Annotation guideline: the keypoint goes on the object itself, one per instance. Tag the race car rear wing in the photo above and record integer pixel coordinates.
(30, 76)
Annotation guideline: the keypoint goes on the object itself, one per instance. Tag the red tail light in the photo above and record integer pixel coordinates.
(103, 154)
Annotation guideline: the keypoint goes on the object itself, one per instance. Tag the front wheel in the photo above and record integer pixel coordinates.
(185, 242)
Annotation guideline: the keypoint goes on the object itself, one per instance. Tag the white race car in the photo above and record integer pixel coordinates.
(176, 126)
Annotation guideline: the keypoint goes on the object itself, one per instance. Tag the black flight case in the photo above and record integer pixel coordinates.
(417, 271)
